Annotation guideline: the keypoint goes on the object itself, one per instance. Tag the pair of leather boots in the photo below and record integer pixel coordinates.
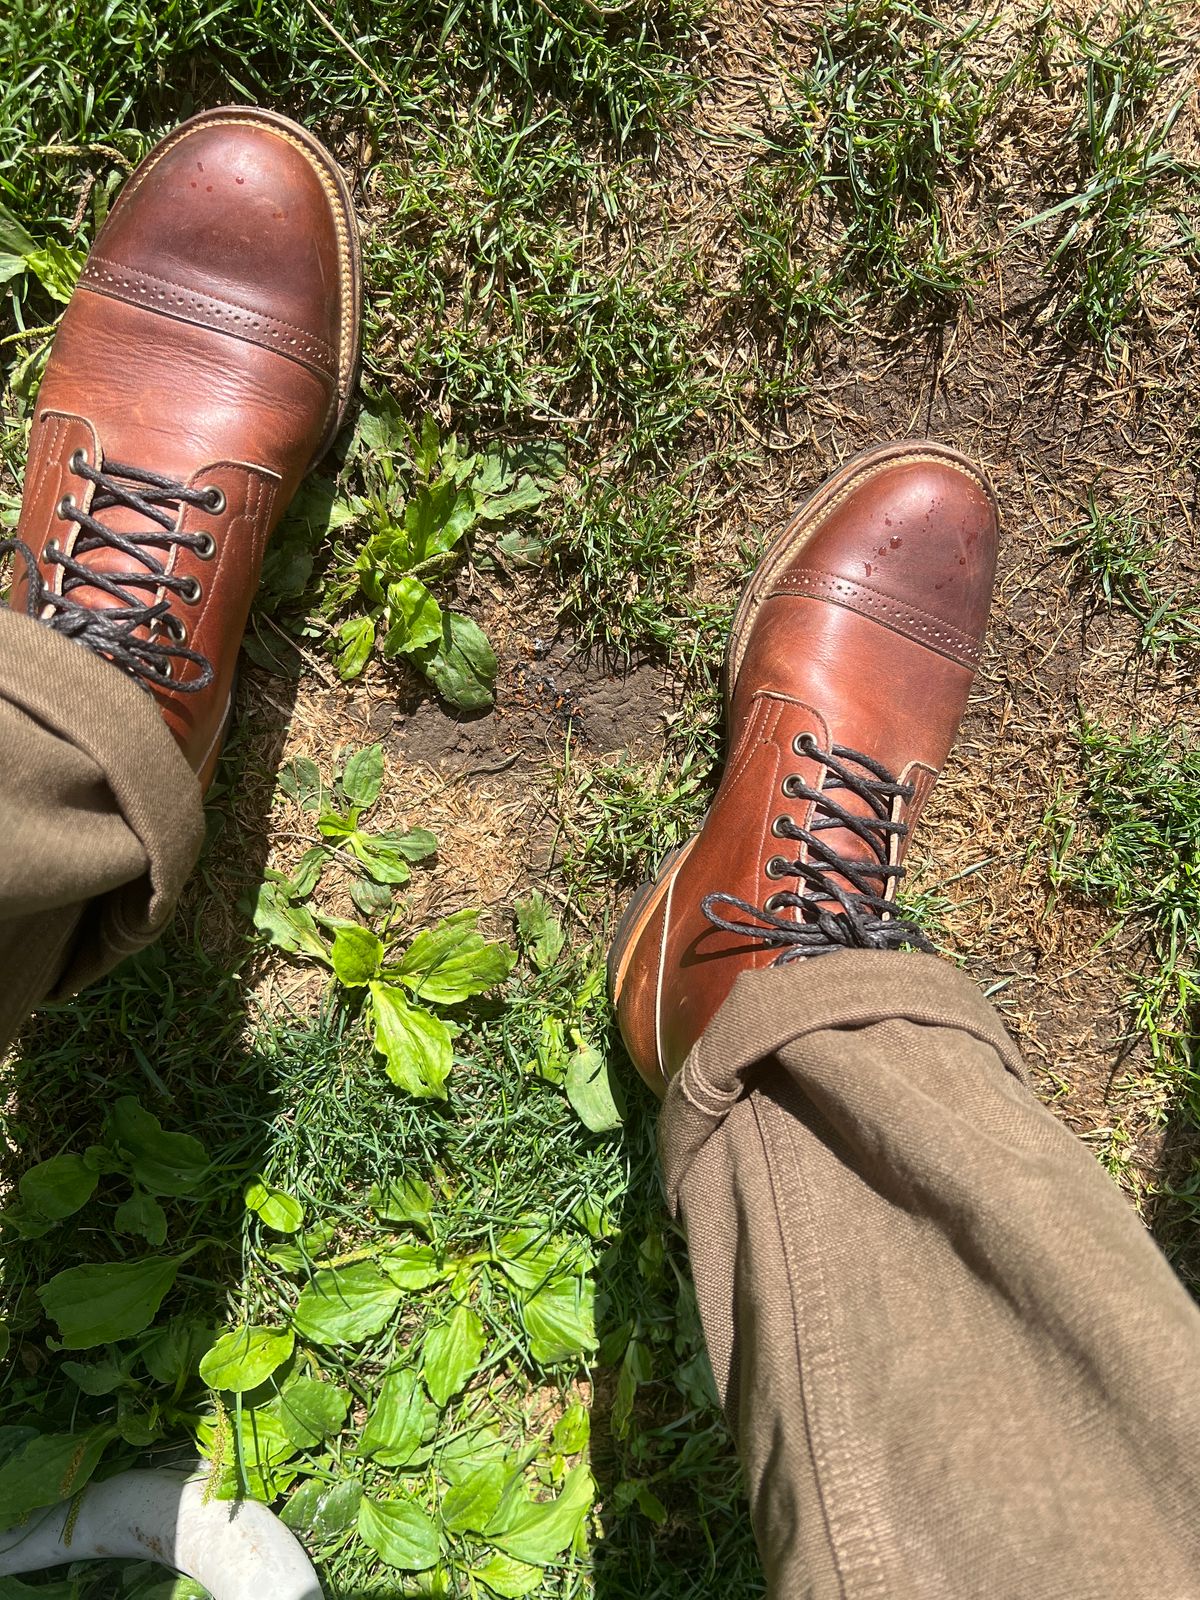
(207, 359)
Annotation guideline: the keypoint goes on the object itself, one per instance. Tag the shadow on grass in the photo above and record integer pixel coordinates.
(676, 1520)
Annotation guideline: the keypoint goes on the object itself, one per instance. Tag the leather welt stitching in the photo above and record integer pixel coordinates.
(244, 322)
(918, 624)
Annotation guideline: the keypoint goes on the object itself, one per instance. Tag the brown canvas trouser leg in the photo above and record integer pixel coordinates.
(100, 818)
(956, 1366)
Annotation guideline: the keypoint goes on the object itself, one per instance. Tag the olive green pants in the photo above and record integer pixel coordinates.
(100, 818)
(955, 1365)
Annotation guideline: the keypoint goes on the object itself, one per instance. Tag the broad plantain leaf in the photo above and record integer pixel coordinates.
(311, 1410)
(400, 1534)
(58, 1187)
(451, 1353)
(593, 1090)
(49, 1468)
(98, 1304)
(396, 1427)
(452, 961)
(363, 778)
(277, 1208)
(538, 1531)
(462, 665)
(344, 1305)
(417, 1047)
(246, 1357)
(414, 616)
(162, 1162)
(356, 955)
(319, 1511)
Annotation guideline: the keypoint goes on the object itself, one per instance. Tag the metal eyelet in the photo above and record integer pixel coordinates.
(65, 506)
(804, 744)
(777, 826)
(215, 500)
(49, 549)
(773, 904)
(776, 867)
(789, 788)
(78, 460)
(190, 591)
(177, 630)
(205, 546)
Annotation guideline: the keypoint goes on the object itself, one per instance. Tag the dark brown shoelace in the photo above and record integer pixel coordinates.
(112, 631)
(843, 903)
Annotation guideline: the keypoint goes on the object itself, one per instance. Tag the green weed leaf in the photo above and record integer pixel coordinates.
(560, 1320)
(58, 1187)
(531, 1257)
(379, 855)
(538, 1531)
(142, 1216)
(16, 246)
(356, 955)
(451, 1353)
(414, 618)
(541, 933)
(403, 1199)
(172, 1353)
(436, 518)
(573, 1429)
(162, 1162)
(417, 1047)
(300, 780)
(276, 1207)
(509, 1578)
(363, 778)
(462, 667)
(452, 961)
(49, 1468)
(593, 1090)
(396, 1427)
(400, 1534)
(469, 1506)
(344, 1305)
(311, 1411)
(263, 1446)
(356, 637)
(319, 1511)
(413, 1266)
(246, 1357)
(98, 1304)
(288, 927)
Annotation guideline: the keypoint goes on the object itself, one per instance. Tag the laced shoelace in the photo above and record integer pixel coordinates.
(112, 631)
(856, 888)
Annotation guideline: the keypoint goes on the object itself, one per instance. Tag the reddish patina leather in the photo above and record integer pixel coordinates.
(212, 338)
(862, 627)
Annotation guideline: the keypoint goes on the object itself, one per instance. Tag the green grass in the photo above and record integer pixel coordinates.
(874, 136)
(1134, 205)
(1133, 846)
(1114, 554)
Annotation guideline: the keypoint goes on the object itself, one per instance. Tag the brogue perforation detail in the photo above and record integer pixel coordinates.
(903, 618)
(159, 294)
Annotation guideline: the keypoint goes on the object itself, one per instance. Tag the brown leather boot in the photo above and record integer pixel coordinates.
(205, 361)
(849, 664)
